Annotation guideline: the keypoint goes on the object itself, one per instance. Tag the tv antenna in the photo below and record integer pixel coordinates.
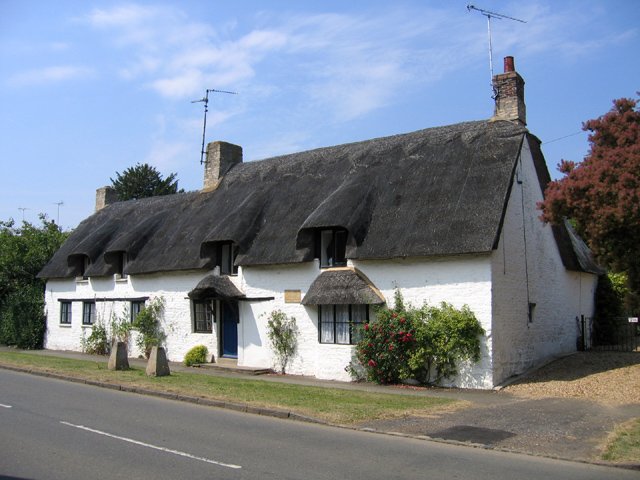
(59, 204)
(205, 100)
(23, 209)
(489, 16)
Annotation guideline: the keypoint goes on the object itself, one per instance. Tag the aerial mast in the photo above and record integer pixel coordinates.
(59, 204)
(489, 16)
(205, 100)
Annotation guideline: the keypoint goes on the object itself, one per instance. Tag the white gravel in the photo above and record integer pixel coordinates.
(607, 377)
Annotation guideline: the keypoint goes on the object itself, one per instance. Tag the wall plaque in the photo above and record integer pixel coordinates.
(292, 296)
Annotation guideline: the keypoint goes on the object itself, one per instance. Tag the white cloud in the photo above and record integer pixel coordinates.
(166, 156)
(571, 30)
(41, 76)
(180, 85)
(123, 16)
(343, 65)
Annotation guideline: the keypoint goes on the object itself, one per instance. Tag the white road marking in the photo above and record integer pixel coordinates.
(148, 445)
(5, 406)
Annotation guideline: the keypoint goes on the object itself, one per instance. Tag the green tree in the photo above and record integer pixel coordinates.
(601, 195)
(143, 181)
(23, 252)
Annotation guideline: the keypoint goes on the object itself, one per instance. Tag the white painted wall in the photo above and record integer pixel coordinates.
(457, 280)
(176, 318)
(536, 275)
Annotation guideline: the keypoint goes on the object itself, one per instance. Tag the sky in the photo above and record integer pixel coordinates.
(91, 88)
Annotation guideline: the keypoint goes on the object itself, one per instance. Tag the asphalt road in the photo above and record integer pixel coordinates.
(50, 429)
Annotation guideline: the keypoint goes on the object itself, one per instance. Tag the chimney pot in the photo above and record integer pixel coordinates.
(509, 65)
(221, 157)
(509, 95)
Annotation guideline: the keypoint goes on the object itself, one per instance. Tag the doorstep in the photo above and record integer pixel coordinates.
(230, 365)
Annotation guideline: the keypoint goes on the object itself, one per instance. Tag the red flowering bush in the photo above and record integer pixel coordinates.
(386, 345)
(424, 344)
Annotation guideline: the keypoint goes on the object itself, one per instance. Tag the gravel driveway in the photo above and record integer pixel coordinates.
(607, 377)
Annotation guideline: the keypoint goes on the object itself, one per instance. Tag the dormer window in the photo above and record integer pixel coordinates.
(122, 262)
(84, 266)
(333, 246)
(227, 253)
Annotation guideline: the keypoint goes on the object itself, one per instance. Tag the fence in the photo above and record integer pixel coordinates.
(619, 334)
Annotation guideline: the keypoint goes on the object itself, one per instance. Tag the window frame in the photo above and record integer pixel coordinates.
(353, 337)
(122, 262)
(135, 307)
(88, 314)
(65, 313)
(334, 239)
(204, 325)
(81, 268)
(227, 252)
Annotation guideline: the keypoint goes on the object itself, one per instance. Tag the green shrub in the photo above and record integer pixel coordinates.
(445, 337)
(197, 354)
(609, 307)
(97, 343)
(121, 328)
(22, 320)
(424, 344)
(24, 250)
(148, 325)
(283, 335)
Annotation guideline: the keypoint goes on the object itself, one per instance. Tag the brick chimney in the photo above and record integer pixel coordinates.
(509, 94)
(221, 157)
(105, 196)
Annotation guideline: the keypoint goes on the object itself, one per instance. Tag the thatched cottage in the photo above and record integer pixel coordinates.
(442, 214)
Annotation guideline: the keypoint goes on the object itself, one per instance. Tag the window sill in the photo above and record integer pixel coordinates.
(122, 279)
(82, 280)
(64, 325)
(87, 326)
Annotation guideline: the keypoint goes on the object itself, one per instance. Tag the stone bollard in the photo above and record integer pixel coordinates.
(158, 366)
(118, 358)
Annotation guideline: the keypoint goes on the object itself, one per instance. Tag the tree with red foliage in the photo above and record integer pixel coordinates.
(601, 195)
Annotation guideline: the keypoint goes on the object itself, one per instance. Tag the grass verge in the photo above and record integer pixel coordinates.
(333, 405)
(625, 443)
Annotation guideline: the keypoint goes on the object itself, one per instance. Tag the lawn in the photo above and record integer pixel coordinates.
(625, 443)
(339, 406)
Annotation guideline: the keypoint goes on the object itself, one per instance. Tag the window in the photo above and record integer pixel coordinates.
(227, 253)
(122, 261)
(136, 308)
(88, 313)
(83, 266)
(65, 313)
(333, 246)
(341, 323)
(203, 316)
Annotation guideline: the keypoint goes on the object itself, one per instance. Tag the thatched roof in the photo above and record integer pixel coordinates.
(439, 191)
(342, 286)
(215, 286)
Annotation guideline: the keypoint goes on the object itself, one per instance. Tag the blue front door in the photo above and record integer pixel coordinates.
(230, 329)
